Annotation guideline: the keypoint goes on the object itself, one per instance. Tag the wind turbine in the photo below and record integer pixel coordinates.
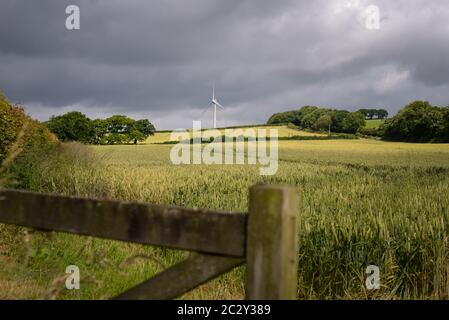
(216, 104)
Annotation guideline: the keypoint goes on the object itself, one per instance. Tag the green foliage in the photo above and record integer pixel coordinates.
(284, 118)
(118, 129)
(371, 114)
(309, 120)
(292, 126)
(371, 132)
(446, 124)
(72, 126)
(38, 144)
(419, 122)
(11, 121)
(122, 130)
(120, 124)
(323, 122)
(145, 127)
(347, 122)
(319, 119)
(101, 130)
(24, 143)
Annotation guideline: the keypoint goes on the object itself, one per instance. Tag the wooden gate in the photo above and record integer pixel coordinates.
(266, 238)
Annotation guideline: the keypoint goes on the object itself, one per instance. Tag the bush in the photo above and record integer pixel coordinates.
(24, 143)
(419, 121)
(372, 132)
(11, 122)
(293, 126)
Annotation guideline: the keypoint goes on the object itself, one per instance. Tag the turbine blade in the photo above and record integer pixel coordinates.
(218, 104)
(205, 109)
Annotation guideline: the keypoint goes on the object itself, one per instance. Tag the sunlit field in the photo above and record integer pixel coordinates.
(283, 131)
(370, 124)
(362, 202)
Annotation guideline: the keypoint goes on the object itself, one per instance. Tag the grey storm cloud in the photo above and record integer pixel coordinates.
(158, 58)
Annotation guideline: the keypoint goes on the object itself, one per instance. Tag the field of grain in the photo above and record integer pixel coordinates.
(283, 131)
(362, 202)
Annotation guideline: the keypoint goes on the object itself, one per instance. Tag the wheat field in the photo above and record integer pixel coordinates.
(283, 131)
(362, 202)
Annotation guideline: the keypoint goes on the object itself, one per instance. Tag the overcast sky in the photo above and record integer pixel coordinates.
(157, 59)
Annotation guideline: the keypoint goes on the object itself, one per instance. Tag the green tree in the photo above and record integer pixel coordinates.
(419, 121)
(72, 126)
(135, 136)
(445, 135)
(120, 124)
(101, 130)
(316, 118)
(382, 114)
(285, 118)
(370, 114)
(311, 116)
(145, 127)
(365, 112)
(120, 129)
(324, 122)
(347, 122)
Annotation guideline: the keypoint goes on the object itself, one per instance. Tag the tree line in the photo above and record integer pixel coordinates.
(319, 119)
(418, 121)
(118, 129)
(371, 114)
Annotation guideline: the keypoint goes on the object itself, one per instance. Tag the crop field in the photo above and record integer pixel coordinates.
(283, 131)
(363, 202)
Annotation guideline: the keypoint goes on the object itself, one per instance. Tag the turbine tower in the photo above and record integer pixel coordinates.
(216, 104)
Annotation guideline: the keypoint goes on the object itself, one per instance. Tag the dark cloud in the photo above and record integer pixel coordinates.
(158, 59)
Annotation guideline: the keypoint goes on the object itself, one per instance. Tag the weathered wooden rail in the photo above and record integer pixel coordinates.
(266, 238)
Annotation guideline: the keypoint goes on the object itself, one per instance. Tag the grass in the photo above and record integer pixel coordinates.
(373, 124)
(362, 202)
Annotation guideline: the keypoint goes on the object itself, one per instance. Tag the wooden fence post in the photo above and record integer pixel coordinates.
(272, 243)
